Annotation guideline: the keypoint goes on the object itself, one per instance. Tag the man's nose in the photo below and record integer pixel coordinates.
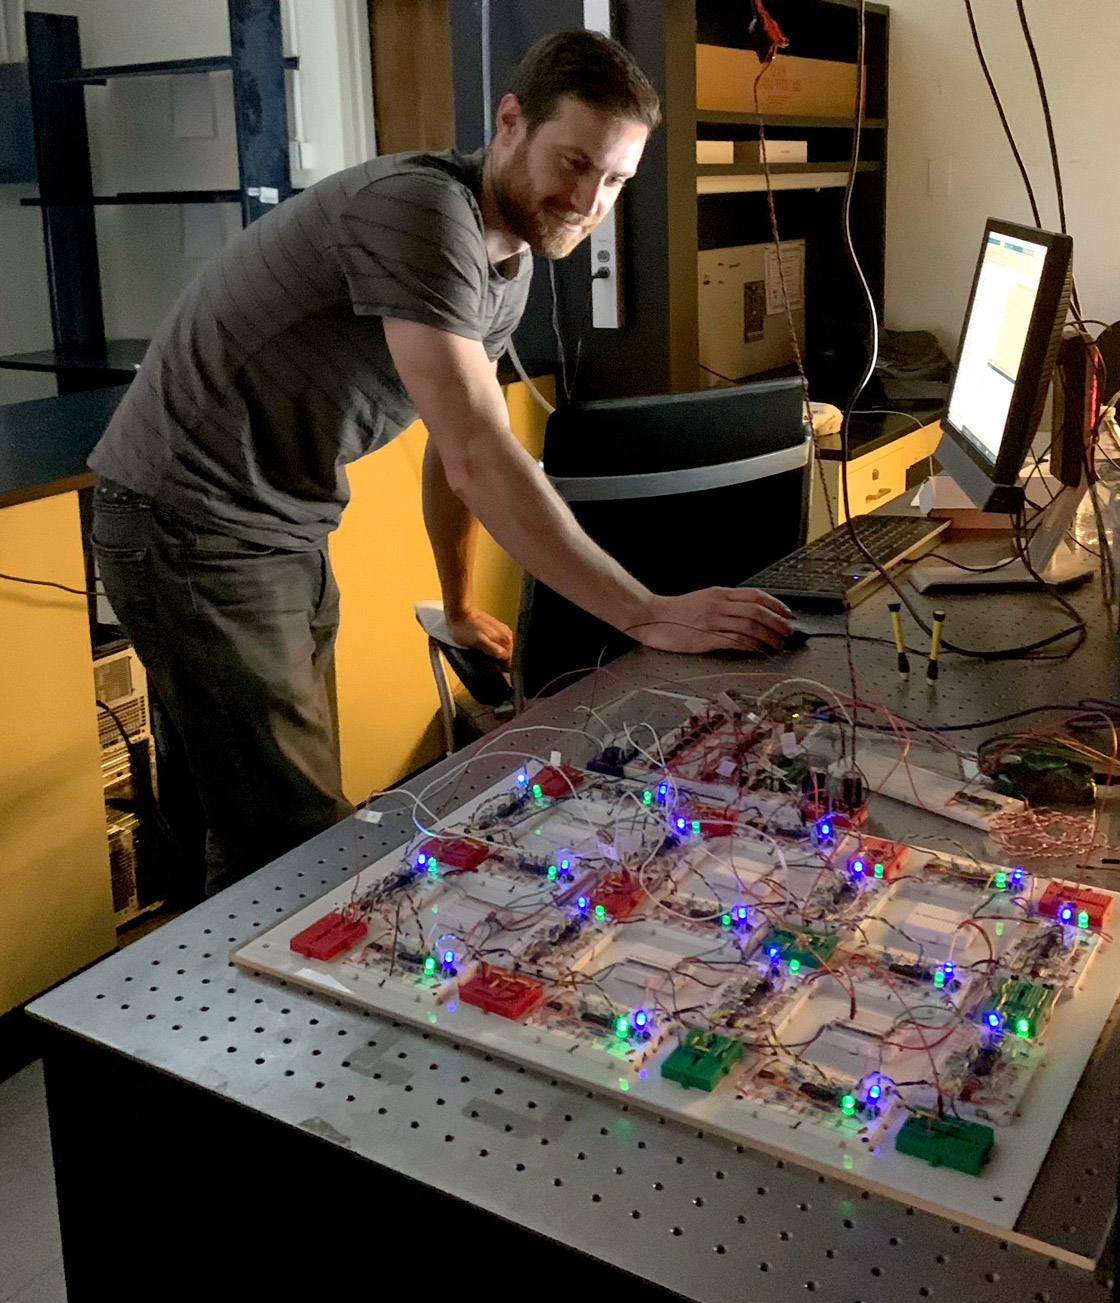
(587, 196)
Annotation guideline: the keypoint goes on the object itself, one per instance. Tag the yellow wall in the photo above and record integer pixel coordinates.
(56, 909)
(387, 705)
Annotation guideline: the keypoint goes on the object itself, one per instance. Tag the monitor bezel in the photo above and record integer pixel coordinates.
(1044, 334)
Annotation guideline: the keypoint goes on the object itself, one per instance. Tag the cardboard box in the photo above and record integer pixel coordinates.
(742, 316)
(792, 86)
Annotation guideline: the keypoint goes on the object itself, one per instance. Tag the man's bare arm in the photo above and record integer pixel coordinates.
(452, 384)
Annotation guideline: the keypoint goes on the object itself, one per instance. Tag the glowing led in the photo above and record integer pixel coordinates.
(741, 913)
(448, 958)
(774, 953)
(1016, 877)
(1001, 882)
(1066, 913)
(879, 870)
(696, 825)
(939, 978)
(522, 778)
(552, 870)
(825, 829)
(848, 1105)
(726, 920)
(600, 911)
(421, 860)
(662, 791)
(647, 797)
(795, 965)
(1083, 918)
(537, 792)
(429, 966)
(1023, 1027)
(622, 1028)
(948, 968)
(994, 1020)
(641, 1018)
(857, 867)
(874, 1092)
(565, 865)
(433, 864)
(682, 822)
(581, 902)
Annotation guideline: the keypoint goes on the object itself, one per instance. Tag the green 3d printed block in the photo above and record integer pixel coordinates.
(946, 1142)
(703, 1060)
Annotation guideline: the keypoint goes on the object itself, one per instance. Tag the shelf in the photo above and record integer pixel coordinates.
(116, 355)
(166, 68)
(728, 179)
(783, 169)
(143, 197)
(725, 118)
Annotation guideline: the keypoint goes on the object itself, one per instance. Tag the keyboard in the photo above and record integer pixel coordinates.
(832, 572)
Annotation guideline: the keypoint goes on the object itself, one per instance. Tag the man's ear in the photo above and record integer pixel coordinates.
(509, 121)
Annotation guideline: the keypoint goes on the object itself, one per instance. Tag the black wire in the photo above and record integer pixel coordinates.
(49, 583)
(1002, 114)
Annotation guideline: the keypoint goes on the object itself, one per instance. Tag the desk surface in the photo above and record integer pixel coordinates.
(686, 1210)
(44, 443)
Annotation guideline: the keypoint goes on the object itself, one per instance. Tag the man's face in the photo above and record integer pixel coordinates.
(554, 187)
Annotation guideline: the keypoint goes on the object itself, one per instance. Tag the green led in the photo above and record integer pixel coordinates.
(1083, 919)
(1023, 1027)
(600, 911)
(647, 797)
(622, 1029)
(726, 920)
(429, 966)
(879, 870)
(795, 965)
(848, 1104)
(1001, 882)
(552, 870)
(537, 791)
(696, 825)
(939, 978)
(433, 865)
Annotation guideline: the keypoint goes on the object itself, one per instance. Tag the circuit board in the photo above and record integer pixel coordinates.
(702, 927)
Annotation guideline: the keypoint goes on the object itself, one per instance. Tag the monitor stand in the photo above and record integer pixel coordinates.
(1051, 557)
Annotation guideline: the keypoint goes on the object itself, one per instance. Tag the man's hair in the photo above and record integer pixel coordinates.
(591, 68)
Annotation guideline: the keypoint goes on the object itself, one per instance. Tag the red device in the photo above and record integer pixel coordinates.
(451, 854)
(330, 936)
(509, 995)
(1094, 903)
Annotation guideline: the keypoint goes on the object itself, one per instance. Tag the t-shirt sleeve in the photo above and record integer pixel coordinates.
(411, 246)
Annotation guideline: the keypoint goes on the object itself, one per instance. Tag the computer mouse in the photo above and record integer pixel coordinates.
(798, 638)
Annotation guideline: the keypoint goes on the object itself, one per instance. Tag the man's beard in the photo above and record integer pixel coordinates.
(540, 228)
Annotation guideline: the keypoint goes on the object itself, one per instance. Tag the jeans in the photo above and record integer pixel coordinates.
(237, 639)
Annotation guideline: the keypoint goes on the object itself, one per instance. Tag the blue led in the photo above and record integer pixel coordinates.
(857, 867)
(522, 778)
(824, 828)
(662, 791)
(581, 902)
(641, 1018)
(449, 957)
(994, 1020)
(565, 865)
(873, 1093)
(421, 860)
(741, 913)
(1066, 913)
(948, 968)
(1016, 877)
(682, 823)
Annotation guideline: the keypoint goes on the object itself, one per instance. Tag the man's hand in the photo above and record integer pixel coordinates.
(714, 618)
(482, 632)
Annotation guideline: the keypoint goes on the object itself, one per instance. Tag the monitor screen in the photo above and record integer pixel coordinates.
(1012, 330)
(994, 339)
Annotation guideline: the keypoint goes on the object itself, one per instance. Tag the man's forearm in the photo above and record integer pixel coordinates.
(451, 531)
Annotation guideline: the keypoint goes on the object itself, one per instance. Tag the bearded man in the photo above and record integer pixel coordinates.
(385, 292)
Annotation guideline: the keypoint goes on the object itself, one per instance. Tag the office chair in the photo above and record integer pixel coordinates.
(684, 490)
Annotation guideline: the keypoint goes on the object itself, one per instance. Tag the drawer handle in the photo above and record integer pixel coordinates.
(874, 497)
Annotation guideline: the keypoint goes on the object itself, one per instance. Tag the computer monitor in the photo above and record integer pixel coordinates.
(684, 490)
(1010, 340)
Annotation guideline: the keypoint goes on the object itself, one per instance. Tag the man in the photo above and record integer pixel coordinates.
(386, 291)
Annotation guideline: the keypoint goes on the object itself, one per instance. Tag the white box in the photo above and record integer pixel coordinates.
(742, 316)
(715, 151)
(780, 151)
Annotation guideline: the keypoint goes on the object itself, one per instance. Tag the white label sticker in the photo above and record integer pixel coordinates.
(269, 194)
(554, 757)
(726, 767)
(792, 272)
(367, 815)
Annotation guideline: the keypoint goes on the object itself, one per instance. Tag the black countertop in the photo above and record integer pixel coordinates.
(44, 444)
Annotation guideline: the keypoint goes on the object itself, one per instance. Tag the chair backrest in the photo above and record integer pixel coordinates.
(685, 490)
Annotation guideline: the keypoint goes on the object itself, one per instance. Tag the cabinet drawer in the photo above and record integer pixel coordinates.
(872, 483)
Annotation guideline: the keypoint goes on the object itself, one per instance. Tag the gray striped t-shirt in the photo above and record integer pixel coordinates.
(272, 371)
